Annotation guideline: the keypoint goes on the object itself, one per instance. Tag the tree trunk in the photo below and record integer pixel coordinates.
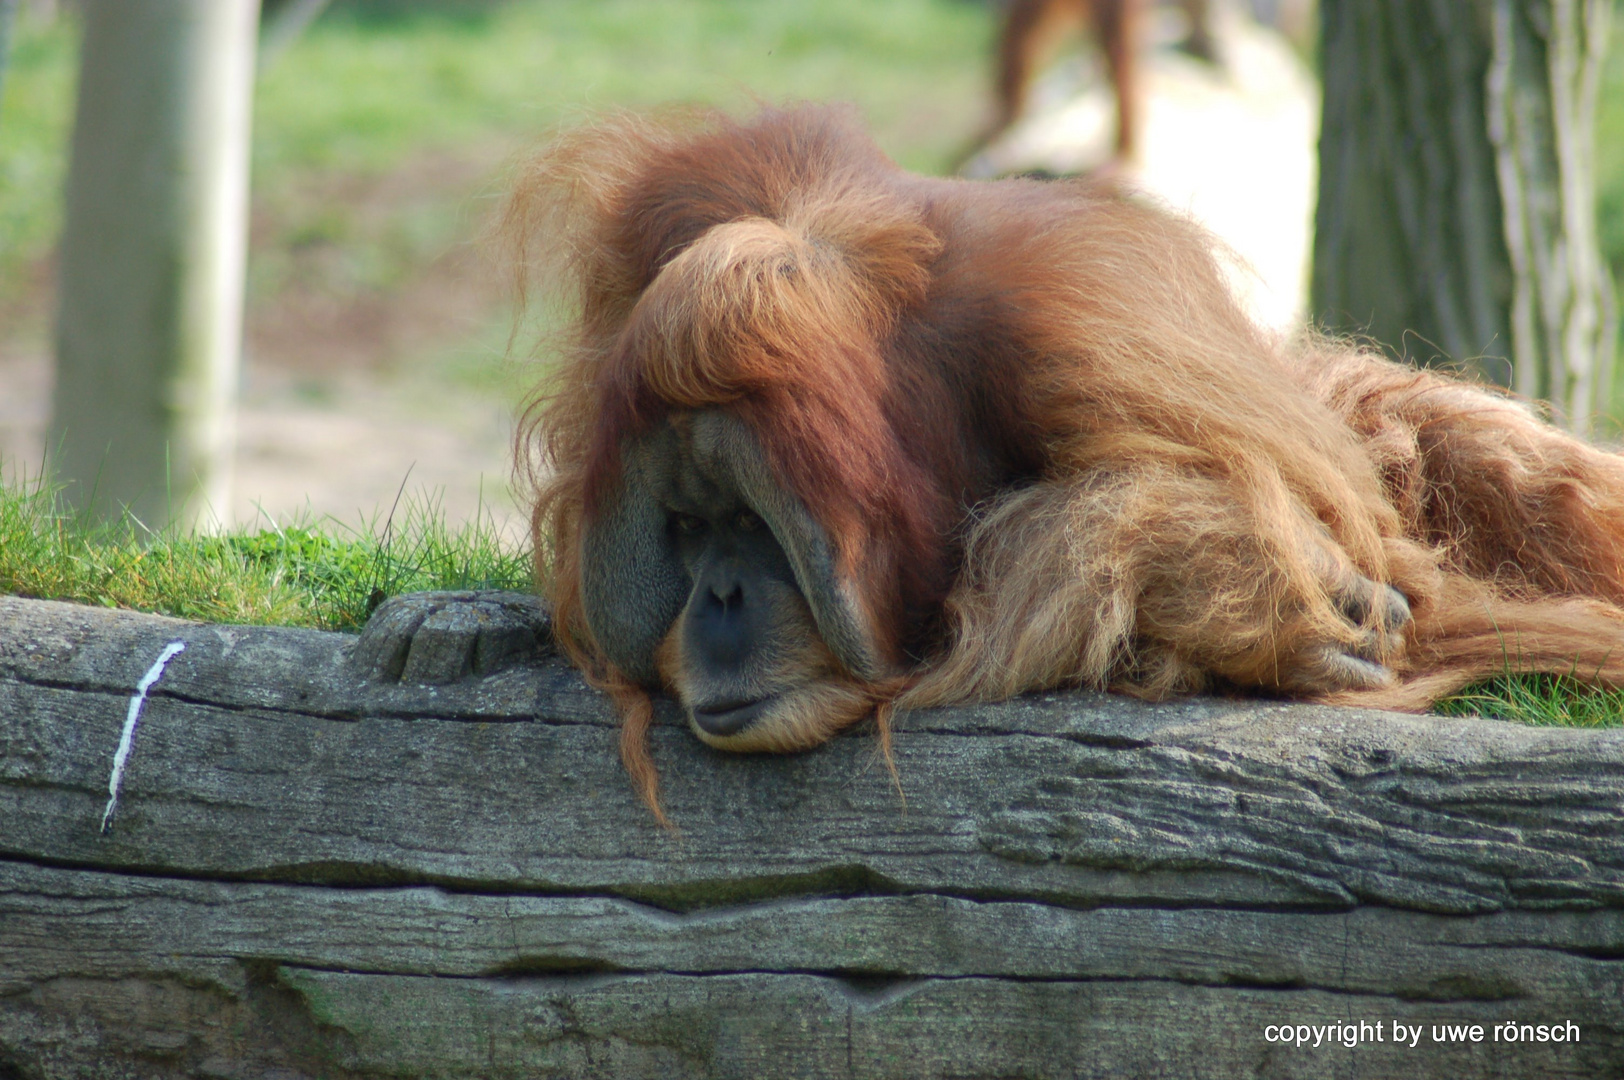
(320, 866)
(153, 253)
(1456, 217)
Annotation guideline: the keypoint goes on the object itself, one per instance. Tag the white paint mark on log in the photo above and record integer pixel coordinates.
(126, 741)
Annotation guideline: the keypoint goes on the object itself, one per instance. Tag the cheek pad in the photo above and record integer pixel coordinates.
(633, 586)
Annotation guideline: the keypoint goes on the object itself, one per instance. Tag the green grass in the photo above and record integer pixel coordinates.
(328, 576)
(371, 84)
(387, 91)
(1543, 700)
(322, 574)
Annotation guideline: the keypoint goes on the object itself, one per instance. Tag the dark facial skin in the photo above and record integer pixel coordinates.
(702, 576)
(742, 586)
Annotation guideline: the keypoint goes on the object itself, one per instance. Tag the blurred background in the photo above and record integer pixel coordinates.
(377, 322)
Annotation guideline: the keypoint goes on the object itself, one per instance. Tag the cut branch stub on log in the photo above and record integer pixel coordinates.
(431, 638)
(341, 875)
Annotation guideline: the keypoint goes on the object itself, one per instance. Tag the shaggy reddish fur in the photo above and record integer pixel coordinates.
(1048, 446)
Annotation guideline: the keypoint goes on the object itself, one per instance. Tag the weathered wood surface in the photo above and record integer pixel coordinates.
(313, 873)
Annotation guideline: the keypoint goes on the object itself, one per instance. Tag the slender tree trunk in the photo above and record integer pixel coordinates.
(153, 252)
(1456, 218)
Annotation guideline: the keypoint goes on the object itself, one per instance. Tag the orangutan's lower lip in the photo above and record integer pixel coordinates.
(728, 717)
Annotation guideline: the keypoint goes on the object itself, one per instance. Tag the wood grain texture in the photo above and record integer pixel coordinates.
(330, 875)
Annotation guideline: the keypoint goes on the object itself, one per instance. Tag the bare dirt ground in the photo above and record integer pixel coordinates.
(355, 395)
(352, 393)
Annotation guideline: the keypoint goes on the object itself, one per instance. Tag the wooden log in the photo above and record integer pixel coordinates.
(317, 870)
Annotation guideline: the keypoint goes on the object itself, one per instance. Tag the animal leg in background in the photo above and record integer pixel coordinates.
(1032, 29)
(1030, 32)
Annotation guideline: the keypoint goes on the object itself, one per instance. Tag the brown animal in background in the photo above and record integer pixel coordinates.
(1031, 30)
(833, 438)
(1029, 33)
